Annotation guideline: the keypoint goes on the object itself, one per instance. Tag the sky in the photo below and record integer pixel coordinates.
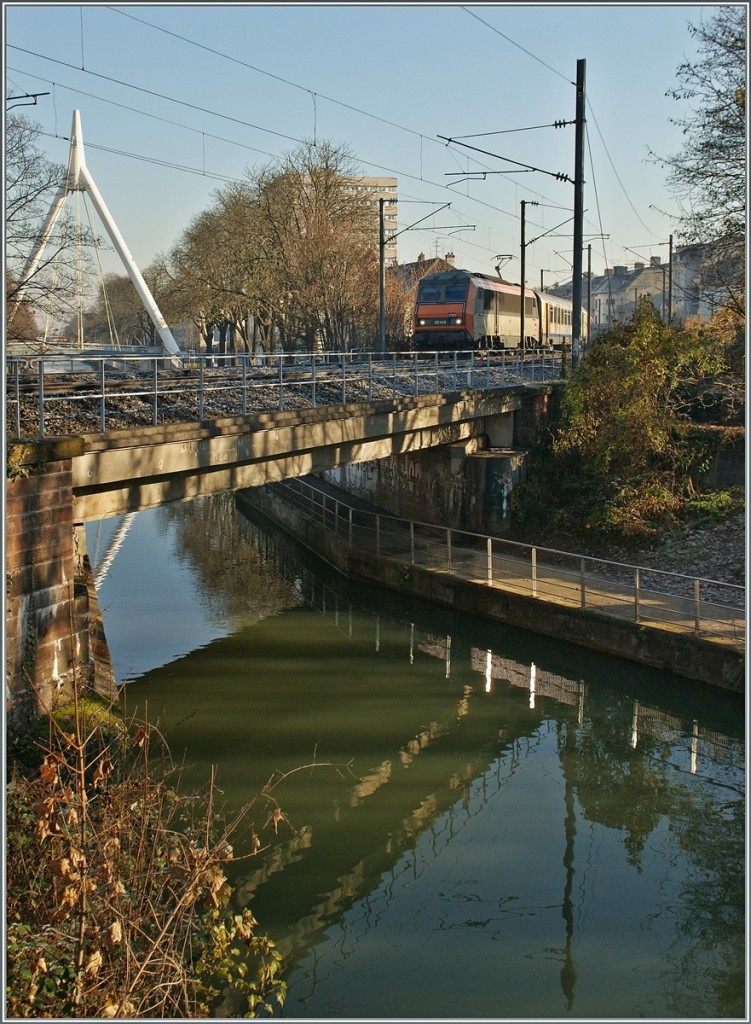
(176, 100)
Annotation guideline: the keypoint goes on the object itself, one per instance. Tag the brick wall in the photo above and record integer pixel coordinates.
(52, 638)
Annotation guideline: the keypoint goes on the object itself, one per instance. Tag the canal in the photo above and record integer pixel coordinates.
(477, 823)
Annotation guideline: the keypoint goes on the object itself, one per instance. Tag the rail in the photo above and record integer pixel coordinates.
(82, 393)
(651, 597)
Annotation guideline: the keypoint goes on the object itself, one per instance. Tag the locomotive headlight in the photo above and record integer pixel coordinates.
(421, 323)
(458, 320)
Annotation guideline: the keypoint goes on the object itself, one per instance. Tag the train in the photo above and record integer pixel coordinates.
(458, 309)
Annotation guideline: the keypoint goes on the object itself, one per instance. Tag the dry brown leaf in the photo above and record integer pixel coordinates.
(49, 770)
(274, 818)
(93, 963)
(102, 771)
(140, 737)
(63, 869)
(47, 827)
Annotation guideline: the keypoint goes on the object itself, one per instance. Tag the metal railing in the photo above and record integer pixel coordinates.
(652, 597)
(81, 393)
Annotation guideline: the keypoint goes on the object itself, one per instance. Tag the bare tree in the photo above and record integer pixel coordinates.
(24, 327)
(321, 239)
(31, 185)
(708, 177)
(118, 315)
(218, 268)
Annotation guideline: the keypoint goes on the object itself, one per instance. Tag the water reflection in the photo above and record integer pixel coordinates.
(510, 827)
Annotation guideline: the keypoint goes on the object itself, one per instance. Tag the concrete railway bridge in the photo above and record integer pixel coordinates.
(56, 484)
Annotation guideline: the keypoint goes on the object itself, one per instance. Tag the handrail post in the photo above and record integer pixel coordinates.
(582, 583)
(637, 585)
(245, 382)
(201, 362)
(344, 378)
(412, 541)
(102, 417)
(490, 559)
(697, 605)
(393, 379)
(281, 381)
(370, 376)
(448, 549)
(314, 380)
(18, 397)
(155, 413)
(41, 397)
(534, 572)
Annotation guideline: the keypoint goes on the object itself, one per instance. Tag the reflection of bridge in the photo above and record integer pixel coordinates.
(439, 806)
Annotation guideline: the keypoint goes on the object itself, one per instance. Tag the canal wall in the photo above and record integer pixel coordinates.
(55, 642)
(683, 654)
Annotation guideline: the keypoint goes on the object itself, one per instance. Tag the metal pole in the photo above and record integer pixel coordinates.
(576, 313)
(670, 281)
(18, 396)
(589, 291)
(102, 417)
(155, 416)
(41, 398)
(522, 273)
(637, 588)
(534, 572)
(201, 360)
(382, 279)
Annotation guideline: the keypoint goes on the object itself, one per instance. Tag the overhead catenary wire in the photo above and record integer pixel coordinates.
(401, 174)
(315, 94)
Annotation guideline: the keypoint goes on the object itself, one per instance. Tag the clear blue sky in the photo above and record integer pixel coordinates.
(217, 88)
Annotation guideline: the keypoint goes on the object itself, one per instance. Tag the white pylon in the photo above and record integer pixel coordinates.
(78, 179)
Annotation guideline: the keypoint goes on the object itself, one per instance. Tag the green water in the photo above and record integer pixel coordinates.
(477, 823)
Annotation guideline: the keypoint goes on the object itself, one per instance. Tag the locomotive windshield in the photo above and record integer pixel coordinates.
(442, 292)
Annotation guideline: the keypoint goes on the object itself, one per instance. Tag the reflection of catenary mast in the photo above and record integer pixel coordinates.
(568, 970)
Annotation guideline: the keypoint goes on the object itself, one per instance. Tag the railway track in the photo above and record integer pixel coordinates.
(51, 396)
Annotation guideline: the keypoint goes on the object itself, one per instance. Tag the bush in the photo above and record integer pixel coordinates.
(116, 892)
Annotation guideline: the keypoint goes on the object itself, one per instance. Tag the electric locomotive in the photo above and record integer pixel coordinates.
(456, 309)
